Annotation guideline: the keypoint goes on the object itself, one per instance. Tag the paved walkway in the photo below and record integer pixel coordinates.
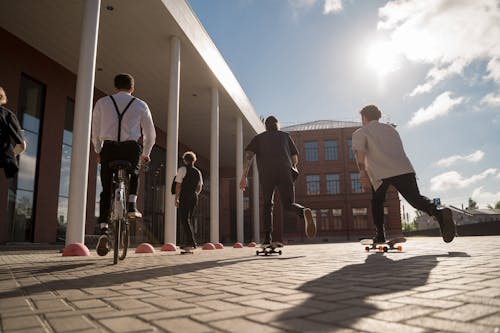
(430, 287)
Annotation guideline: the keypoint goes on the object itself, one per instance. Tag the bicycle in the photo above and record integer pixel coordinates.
(118, 209)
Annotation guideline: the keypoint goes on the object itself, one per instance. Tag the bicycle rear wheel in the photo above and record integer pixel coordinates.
(116, 243)
(124, 239)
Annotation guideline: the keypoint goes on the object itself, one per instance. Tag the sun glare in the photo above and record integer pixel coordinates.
(382, 58)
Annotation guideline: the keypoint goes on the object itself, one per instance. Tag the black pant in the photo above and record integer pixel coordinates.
(282, 179)
(406, 185)
(111, 151)
(187, 204)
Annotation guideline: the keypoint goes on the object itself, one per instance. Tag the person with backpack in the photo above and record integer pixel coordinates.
(118, 122)
(188, 185)
(12, 142)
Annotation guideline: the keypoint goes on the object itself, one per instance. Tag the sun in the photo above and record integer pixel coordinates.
(382, 58)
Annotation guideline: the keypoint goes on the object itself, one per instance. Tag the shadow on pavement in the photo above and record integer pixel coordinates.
(104, 277)
(338, 300)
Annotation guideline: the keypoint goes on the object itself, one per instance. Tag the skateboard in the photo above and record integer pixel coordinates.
(270, 249)
(383, 247)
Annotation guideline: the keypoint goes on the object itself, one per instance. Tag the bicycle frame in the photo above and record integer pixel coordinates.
(118, 212)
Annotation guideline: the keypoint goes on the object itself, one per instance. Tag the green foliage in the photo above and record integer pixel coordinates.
(472, 204)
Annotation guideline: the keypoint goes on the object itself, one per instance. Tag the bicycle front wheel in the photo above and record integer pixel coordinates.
(124, 238)
(116, 243)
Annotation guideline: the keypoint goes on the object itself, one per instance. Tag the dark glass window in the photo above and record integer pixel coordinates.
(311, 151)
(22, 191)
(312, 184)
(331, 150)
(333, 183)
(349, 149)
(356, 186)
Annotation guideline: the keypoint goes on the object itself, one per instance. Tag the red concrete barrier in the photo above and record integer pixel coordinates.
(76, 249)
(252, 244)
(144, 248)
(169, 247)
(208, 246)
(238, 245)
(219, 246)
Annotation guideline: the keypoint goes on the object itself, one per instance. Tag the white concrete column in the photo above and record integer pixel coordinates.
(214, 167)
(77, 205)
(239, 172)
(172, 139)
(255, 203)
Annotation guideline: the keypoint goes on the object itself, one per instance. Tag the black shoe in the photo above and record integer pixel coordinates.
(266, 243)
(133, 213)
(103, 242)
(378, 239)
(444, 217)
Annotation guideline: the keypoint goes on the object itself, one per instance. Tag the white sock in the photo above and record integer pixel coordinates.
(132, 198)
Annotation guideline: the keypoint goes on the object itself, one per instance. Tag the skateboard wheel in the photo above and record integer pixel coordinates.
(399, 248)
(367, 248)
(380, 248)
(386, 249)
(257, 252)
(279, 252)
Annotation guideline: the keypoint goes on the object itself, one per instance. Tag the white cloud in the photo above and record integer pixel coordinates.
(448, 161)
(447, 34)
(454, 180)
(491, 99)
(329, 6)
(332, 6)
(485, 198)
(441, 106)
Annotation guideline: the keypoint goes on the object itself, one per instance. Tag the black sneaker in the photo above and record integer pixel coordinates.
(103, 242)
(310, 224)
(266, 243)
(444, 217)
(132, 212)
(378, 239)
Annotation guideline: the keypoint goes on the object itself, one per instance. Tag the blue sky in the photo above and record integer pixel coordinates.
(432, 67)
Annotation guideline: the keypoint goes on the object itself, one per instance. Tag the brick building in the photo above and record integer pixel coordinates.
(329, 184)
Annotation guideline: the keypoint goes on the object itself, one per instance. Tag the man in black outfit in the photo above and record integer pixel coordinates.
(276, 156)
(189, 183)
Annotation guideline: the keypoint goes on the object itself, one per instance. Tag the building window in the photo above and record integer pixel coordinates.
(337, 218)
(360, 217)
(312, 184)
(311, 151)
(356, 186)
(323, 221)
(331, 150)
(349, 150)
(67, 146)
(386, 215)
(333, 183)
(22, 191)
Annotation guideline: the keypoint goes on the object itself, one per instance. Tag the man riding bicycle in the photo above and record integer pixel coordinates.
(118, 121)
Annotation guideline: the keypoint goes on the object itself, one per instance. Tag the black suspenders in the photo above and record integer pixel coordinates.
(120, 115)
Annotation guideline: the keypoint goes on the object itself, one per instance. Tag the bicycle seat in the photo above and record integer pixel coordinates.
(119, 164)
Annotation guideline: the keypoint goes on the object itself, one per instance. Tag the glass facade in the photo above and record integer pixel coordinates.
(312, 185)
(22, 191)
(337, 218)
(349, 150)
(323, 220)
(311, 149)
(360, 217)
(331, 150)
(67, 147)
(332, 183)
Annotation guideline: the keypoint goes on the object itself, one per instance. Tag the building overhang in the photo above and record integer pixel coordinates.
(134, 37)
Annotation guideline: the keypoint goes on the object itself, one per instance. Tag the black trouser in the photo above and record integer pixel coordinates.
(112, 151)
(187, 204)
(406, 185)
(280, 178)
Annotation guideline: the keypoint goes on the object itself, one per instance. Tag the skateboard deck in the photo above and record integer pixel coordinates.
(391, 244)
(270, 249)
(187, 251)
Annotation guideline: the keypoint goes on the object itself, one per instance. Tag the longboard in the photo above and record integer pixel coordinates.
(383, 247)
(270, 249)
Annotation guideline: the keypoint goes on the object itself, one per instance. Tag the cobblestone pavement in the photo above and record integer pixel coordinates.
(429, 287)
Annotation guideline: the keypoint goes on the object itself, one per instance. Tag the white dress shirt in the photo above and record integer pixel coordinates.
(136, 121)
(384, 153)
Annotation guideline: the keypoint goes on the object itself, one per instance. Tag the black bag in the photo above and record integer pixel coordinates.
(172, 188)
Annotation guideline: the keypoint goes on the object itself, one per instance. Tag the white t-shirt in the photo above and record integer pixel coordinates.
(384, 153)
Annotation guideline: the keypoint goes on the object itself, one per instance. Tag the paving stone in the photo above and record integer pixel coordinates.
(449, 325)
(241, 325)
(71, 324)
(467, 312)
(182, 325)
(127, 324)
(22, 322)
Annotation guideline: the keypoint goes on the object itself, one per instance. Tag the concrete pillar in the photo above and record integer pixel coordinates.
(239, 171)
(84, 95)
(255, 203)
(172, 139)
(214, 167)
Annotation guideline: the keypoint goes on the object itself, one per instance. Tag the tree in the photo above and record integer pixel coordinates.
(472, 204)
(497, 205)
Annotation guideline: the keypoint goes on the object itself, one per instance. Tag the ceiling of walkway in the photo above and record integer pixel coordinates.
(135, 38)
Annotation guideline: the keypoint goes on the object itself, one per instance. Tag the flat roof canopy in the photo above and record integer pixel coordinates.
(134, 37)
